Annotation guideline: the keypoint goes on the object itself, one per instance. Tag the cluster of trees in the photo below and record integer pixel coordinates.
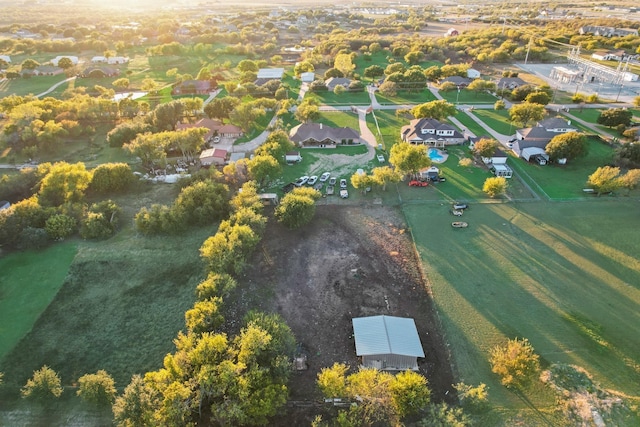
(607, 179)
(380, 176)
(225, 380)
(50, 203)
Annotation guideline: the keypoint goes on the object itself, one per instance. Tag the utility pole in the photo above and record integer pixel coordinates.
(526, 58)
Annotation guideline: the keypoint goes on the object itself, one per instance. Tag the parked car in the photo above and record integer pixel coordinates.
(332, 180)
(380, 158)
(456, 212)
(325, 176)
(416, 183)
(216, 139)
(330, 190)
(301, 181)
(460, 206)
(312, 180)
(344, 194)
(343, 183)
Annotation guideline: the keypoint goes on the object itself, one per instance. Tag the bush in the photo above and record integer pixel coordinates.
(60, 226)
(515, 362)
(112, 178)
(98, 389)
(45, 385)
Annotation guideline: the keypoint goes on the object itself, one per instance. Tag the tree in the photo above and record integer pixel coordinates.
(539, 97)
(361, 181)
(526, 113)
(60, 226)
(414, 57)
(443, 415)
(135, 407)
(409, 393)
(202, 203)
(479, 85)
(63, 183)
(636, 101)
(615, 116)
(631, 179)
(262, 168)
(295, 209)
(448, 86)
(226, 251)
(332, 381)
(303, 67)
(384, 175)
(495, 186)
(111, 178)
(215, 285)
(65, 63)
(220, 108)
(605, 179)
(389, 89)
(499, 105)
(473, 398)
(332, 72)
(43, 386)
(98, 389)
(373, 72)
(438, 110)
(344, 63)
(339, 90)
(101, 220)
(29, 64)
(486, 147)
(247, 65)
(276, 145)
(205, 316)
(409, 158)
(150, 148)
(515, 363)
(308, 110)
(245, 115)
(166, 116)
(568, 146)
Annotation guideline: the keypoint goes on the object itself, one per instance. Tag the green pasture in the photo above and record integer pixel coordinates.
(563, 275)
(468, 97)
(565, 181)
(28, 282)
(471, 125)
(497, 120)
(406, 97)
(346, 98)
(121, 305)
(33, 85)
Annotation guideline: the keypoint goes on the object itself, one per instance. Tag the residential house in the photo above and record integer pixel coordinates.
(461, 82)
(44, 70)
(431, 131)
(215, 128)
(99, 71)
(99, 60)
(540, 135)
(387, 342)
(213, 156)
(608, 31)
(194, 87)
(319, 135)
(56, 60)
(117, 60)
(601, 55)
(510, 83)
(332, 82)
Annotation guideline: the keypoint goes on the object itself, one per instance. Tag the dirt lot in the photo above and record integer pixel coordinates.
(350, 262)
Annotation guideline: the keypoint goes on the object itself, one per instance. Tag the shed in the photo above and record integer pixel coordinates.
(213, 156)
(535, 153)
(293, 157)
(307, 77)
(472, 73)
(431, 173)
(502, 170)
(387, 342)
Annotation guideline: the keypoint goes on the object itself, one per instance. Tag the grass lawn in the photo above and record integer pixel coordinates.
(121, 305)
(468, 97)
(496, 120)
(563, 275)
(470, 124)
(28, 282)
(389, 125)
(340, 119)
(567, 181)
(260, 125)
(406, 97)
(346, 98)
(34, 85)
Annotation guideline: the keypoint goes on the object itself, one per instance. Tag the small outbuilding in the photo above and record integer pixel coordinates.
(213, 156)
(387, 342)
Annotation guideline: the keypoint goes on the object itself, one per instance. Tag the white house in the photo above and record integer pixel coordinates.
(387, 342)
(116, 60)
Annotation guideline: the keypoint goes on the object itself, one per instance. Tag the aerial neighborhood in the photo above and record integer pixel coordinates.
(292, 213)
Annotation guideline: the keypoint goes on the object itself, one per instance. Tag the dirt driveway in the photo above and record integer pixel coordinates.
(350, 262)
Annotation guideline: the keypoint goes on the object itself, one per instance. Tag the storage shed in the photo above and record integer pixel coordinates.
(387, 342)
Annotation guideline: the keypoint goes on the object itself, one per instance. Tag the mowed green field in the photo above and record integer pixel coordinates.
(564, 275)
(28, 282)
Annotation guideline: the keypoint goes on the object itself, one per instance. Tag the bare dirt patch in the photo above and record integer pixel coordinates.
(350, 262)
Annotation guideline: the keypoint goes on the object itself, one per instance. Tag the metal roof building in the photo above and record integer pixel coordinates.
(387, 342)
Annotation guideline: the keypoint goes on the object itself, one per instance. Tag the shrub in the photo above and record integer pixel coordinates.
(98, 388)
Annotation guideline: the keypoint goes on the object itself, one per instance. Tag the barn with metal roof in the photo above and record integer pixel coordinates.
(387, 342)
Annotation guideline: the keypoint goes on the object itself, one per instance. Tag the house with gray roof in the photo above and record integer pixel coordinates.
(510, 83)
(332, 82)
(541, 134)
(320, 135)
(387, 342)
(431, 131)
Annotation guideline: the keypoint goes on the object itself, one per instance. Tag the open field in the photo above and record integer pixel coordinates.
(468, 97)
(120, 305)
(28, 282)
(563, 275)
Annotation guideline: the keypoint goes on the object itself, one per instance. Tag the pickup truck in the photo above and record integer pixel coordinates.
(330, 190)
